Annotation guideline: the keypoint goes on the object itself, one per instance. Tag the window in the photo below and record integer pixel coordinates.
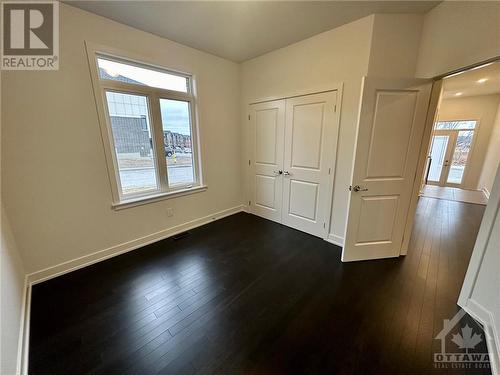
(148, 123)
(455, 125)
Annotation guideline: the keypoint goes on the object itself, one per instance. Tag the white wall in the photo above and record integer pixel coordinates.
(335, 56)
(492, 158)
(11, 298)
(457, 34)
(55, 183)
(484, 109)
(394, 48)
(486, 287)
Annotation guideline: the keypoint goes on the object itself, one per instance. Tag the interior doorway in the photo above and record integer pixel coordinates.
(416, 138)
(462, 155)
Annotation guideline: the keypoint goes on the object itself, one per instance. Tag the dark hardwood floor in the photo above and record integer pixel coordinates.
(246, 295)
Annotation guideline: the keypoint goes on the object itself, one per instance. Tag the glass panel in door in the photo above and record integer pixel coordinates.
(438, 154)
(460, 156)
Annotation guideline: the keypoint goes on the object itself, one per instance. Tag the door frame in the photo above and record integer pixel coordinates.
(432, 111)
(336, 86)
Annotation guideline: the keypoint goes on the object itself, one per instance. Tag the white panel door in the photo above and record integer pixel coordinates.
(267, 129)
(390, 129)
(310, 144)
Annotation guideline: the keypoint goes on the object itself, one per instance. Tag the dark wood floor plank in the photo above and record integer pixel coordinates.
(246, 295)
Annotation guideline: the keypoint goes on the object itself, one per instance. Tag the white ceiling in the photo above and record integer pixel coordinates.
(468, 83)
(241, 30)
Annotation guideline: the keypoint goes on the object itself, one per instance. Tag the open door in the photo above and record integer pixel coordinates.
(390, 128)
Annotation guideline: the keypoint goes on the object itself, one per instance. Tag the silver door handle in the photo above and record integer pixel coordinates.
(286, 173)
(277, 173)
(357, 188)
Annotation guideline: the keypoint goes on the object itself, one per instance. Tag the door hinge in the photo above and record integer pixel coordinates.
(249, 162)
(335, 108)
(249, 203)
(324, 225)
(249, 117)
(329, 170)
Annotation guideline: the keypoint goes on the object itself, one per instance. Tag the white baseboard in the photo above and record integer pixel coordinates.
(486, 192)
(485, 317)
(98, 256)
(336, 240)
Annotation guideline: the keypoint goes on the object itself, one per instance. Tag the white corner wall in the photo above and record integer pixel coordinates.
(492, 158)
(457, 34)
(12, 300)
(55, 183)
(479, 294)
(484, 109)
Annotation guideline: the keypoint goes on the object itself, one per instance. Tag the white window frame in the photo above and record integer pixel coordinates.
(153, 95)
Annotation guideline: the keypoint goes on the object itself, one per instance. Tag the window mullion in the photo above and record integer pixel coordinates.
(161, 161)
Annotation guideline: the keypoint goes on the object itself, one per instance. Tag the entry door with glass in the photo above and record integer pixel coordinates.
(450, 151)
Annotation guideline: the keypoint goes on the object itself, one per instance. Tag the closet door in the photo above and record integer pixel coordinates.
(267, 132)
(310, 142)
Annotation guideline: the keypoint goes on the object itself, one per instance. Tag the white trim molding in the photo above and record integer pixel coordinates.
(486, 192)
(485, 317)
(24, 336)
(467, 299)
(22, 347)
(336, 240)
(98, 256)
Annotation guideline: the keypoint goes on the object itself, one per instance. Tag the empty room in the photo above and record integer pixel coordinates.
(250, 187)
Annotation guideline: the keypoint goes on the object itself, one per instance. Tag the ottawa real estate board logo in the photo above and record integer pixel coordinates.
(30, 35)
(463, 344)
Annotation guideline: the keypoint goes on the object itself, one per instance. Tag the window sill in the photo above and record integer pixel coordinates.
(139, 201)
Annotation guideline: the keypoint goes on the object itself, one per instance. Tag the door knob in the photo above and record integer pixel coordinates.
(357, 188)
(278, 172)
(286, 173)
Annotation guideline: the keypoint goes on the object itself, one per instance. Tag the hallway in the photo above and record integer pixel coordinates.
(454, 194)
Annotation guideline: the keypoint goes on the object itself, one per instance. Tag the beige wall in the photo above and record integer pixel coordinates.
(484, 109)
(394, 47)
(55, 183)
(457, 34)
(492, 158)
(335, 56)
(11, 298)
